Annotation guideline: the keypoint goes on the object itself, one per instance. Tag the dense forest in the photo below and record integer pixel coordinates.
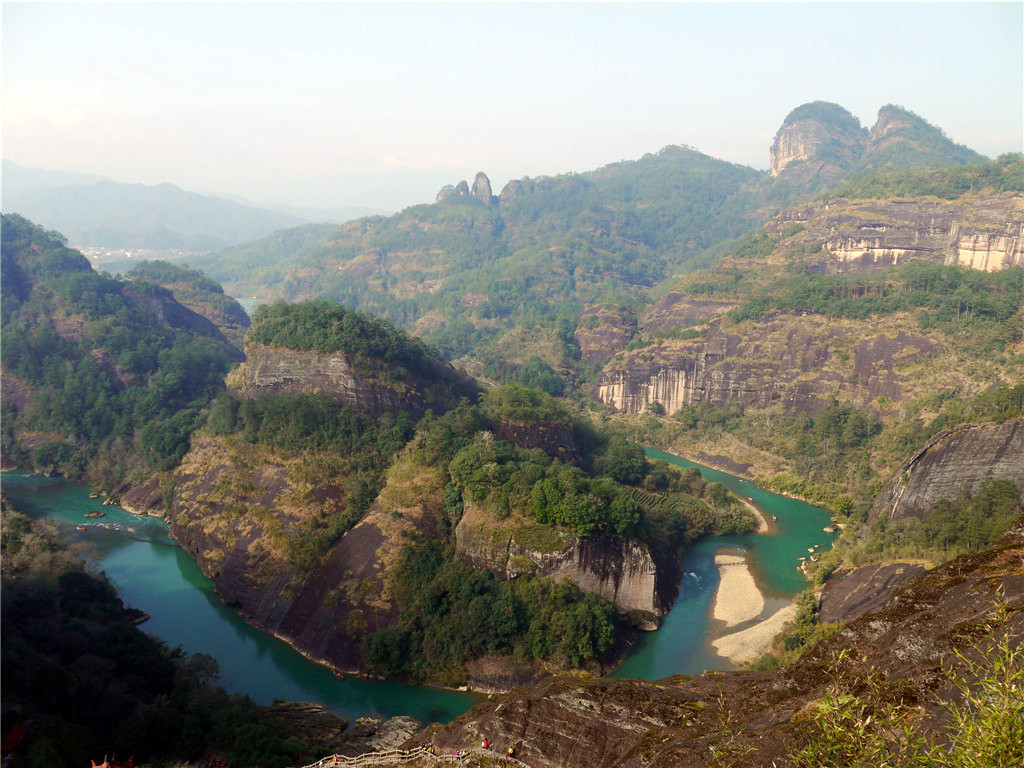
(452, 614)
(92, 683)
(103, 376)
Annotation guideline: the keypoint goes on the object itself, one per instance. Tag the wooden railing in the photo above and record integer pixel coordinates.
(400, 756)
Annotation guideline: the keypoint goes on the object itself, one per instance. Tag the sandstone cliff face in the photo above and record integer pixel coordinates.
(621, 571)
(756, 719)
(817, 143)
(795, 360)
(980, 232)
(956, 460)
(348, 381)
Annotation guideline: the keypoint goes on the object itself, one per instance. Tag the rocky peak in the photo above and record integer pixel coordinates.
(482, 188)
(511, 191)
(815, 140)
(892, 119)
(899, 137)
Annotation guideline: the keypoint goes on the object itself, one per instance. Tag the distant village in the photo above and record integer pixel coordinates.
(103, 255)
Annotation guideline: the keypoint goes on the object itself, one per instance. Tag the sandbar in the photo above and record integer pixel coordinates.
(738, 599)
(745, 646)
(762, 518)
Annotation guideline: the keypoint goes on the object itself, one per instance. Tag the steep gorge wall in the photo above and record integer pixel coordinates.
(793, 359)
(620, 570)
(233, 505)
(955, 460)
(755, 718)
(985, 233)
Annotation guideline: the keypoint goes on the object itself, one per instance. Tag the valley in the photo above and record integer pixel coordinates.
(421, 461)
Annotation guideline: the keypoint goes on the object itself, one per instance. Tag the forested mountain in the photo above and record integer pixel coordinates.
(200, 294)
(322, 469)
(101, 376)
(463, 269)
(473, 265)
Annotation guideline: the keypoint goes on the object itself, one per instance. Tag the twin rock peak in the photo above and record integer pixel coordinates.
(818, 140)
(481, 189)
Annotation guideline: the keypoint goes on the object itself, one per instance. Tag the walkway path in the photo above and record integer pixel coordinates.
(400, 756)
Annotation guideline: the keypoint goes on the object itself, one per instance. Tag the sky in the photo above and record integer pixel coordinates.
(380, 105)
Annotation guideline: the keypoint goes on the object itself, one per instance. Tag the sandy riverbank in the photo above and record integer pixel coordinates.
(762, 518)
(745, 646)
(738, 599)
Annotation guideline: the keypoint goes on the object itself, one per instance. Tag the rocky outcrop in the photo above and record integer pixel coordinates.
(821, 143)
(511, 191)
(954, 461)
(620, 570)
(481, 188)
(849, 594)
(676, 310)
(793, 359)
(759, 719)
(980, 232)
(349, 380)
(235, 507)
(817, 140)
(603, 330)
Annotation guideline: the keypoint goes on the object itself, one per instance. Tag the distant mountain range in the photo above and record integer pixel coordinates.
(96, 211)
(472, 264)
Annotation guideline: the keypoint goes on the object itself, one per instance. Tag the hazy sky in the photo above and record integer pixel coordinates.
(382, 104)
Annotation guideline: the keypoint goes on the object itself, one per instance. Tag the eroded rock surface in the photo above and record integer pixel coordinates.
(753, 719)
(348, 381)
(954, 461)
(620, 570)
(980, 232)
(793, 359)
(849, 594)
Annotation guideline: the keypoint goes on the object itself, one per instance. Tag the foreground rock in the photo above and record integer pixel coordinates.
(849, 594)
(752, 718)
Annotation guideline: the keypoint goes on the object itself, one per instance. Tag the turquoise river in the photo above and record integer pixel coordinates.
(152, 573)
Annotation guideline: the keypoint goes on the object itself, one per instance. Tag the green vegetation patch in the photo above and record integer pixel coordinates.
(103, 366)
(541, 538)
(321, 326)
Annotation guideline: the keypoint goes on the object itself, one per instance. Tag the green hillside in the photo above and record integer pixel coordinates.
(102, 376)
